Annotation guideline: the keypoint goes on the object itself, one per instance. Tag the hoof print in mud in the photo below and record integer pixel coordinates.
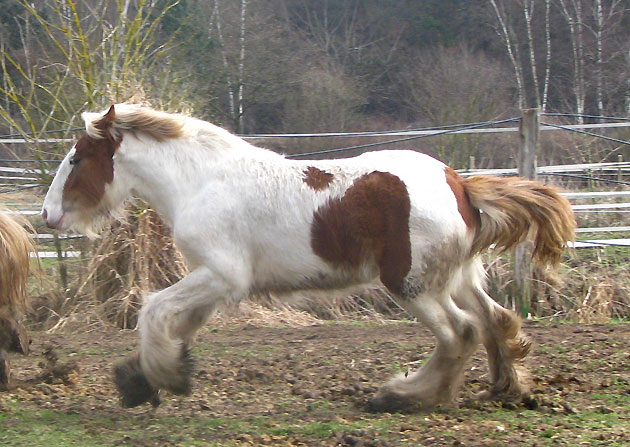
(132, 385)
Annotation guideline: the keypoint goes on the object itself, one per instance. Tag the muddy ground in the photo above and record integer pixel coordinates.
(309, 386)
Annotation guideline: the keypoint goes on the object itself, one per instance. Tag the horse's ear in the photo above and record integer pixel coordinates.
(107, 120)
(105, 125)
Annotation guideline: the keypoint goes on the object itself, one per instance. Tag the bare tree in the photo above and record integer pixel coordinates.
(83, 57)
(607, 17)
(573, 13)
(519, 35)
(456, 85)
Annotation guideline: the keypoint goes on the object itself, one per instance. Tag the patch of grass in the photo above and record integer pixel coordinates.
(34, 428)
(25, 426)
(619, 398)
(587, 426)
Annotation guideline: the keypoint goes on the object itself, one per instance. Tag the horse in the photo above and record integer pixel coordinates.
(250, 220)
(15, 249)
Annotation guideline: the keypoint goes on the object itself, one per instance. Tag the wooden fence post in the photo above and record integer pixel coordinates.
(526, 163)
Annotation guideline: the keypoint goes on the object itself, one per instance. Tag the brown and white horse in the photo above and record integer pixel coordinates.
(15, 247)
(249, 220)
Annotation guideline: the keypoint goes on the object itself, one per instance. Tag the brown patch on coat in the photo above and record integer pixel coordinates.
(93, 168)
(371, 221)
(316, 178)
(468, 213)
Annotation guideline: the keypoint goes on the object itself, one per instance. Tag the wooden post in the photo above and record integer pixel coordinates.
(526, 163)
(528, 143)
(63, 270)
(619, 170)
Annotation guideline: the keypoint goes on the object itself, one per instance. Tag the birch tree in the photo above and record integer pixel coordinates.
(607, 17)
(518, 36)
(573, 13)
(235, 78)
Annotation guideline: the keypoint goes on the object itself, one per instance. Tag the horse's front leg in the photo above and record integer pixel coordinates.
(167, 324)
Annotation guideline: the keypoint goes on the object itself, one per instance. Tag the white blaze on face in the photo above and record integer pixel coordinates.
(52, 210)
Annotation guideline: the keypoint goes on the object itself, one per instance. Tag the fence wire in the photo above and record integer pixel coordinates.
(399, 140)
(604, 137)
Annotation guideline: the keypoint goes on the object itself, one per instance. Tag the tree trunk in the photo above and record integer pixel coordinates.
(548, 56)
(528, 11)
(599, 88)
(216, 13)
(241, 68)
(513, 53)
(576, 30)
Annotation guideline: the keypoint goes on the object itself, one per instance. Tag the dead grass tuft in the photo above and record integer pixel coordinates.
(136, 258)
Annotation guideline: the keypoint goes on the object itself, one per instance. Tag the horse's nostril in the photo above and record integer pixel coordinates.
(44, 214)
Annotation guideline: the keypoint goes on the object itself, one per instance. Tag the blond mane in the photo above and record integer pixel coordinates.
(134, 118)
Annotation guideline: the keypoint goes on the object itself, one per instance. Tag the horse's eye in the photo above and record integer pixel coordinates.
(74, 161)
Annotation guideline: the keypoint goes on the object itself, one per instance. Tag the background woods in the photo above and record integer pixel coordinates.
(292, 65)
(308, 66)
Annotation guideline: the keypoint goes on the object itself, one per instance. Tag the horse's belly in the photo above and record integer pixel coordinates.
(325, 277)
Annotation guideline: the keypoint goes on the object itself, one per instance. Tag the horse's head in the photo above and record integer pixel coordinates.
(85, 191)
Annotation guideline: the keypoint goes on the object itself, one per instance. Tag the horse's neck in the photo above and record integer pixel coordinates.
(167, 174)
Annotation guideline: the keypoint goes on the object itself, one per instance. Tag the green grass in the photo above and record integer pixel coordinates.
(37, 428)
(25, 426)
(546, 429)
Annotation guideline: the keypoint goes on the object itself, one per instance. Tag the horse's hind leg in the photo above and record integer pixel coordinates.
(13, 338)
(501, 335)
(438, 380)
(5, 371)
(168, 322)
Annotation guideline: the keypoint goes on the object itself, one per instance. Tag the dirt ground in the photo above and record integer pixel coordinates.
(309, 386)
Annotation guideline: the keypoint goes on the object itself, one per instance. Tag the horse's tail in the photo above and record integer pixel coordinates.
(513, 209)
(15, 248)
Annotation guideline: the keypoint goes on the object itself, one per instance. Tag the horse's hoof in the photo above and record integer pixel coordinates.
(182, 383)
(493, 395)
(485, 395)
(389, 403)
(5, 372)
(132, 385)
(13, 336)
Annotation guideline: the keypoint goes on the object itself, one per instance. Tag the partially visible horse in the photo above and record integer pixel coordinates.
(15, 247)
(249, 220)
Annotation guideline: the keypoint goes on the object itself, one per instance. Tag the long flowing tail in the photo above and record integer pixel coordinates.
(513, 209)
(15, 246)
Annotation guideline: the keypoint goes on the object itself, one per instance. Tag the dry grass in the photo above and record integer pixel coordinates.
(584, 290)
(136, 258)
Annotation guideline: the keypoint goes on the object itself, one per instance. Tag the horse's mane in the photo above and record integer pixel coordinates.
(135, 118)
